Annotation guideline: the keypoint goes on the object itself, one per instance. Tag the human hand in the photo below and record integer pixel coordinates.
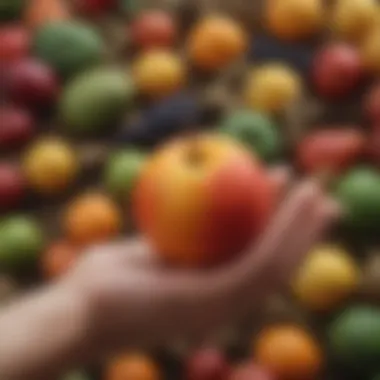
(134, 300)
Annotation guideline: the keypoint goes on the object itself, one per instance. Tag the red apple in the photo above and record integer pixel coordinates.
(14, 43)
(333, 149)
(32, 83)
(372, 104)
(337, 70)
(214, 198)
(250, 371)
(17, 127)
(12, 186)
(94, 7)
(207, 364)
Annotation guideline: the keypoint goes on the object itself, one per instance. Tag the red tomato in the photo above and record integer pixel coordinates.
(372, 104)
(154, 28)
(12, 186)
(14, 43)
(337, 70)
(331, 149)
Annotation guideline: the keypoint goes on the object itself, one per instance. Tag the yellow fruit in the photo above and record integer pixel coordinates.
(327, 277)
(159, 73)
(352, 19)
(370, 50)
(50, 166)
(294, 19)
(272, 88)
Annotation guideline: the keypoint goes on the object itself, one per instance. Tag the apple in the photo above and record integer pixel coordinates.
(12, 186)
(14, 43)
(250, 371)
(213, 199)
(207, 364)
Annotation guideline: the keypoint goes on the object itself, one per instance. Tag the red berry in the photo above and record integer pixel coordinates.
(337, 71)
(12, 186)
(250, 372)
(154, 29)
(17, 127)
(94, 7)
(14, 43)
(372, 104)
(32, 83)
(207, 364)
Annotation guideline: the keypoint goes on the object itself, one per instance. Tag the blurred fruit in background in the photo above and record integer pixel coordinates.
(328, 276)
(337, 70)
(11, 9)
(95, 100)
(358, 191)
(292, 20)
(133, 366)
(258, 132)
(58, 259)
(38, 13)
(372, 104)
(207, 364)
(17, 127)
(354, 338)
(272, 87)
(122, 171)
(352, 19)
(215, 42)
(211, 226)
(50, 166)
(330, 149)
(370, 51)
(12, 186)
(374, 147)
(76, 376)
(15, 41)
(32, 83)
(154, 29)
(289, 352)
(370, 286)
(69, 47)
(8, 288)
(91, 218)
(159, 73)
(94, 7)
(250, 371)
(21, 241)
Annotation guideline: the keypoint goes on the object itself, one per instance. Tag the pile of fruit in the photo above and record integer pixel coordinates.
(89, 88)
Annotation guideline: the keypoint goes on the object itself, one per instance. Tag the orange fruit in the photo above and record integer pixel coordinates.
(289, 352)
(133, 367)
(92, 218)
(215, 42)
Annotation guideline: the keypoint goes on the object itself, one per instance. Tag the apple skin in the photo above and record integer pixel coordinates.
(213, 200)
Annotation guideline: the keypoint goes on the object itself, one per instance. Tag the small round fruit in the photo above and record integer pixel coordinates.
(370, 51)
(14, 43)
(69, 47)
(92, 218)
(58, 259)
(108, 91)
(289, 352)
(11, 9)
(159, 73)
(154, 29)
(330, 149)
(354, 338)
(249, 371)
(352, 19)
(94, 7)
(293, 20)
(272, 88)
(257, 131)
(337, 70)
(327, 277)
(32, 83)
(133, 367)
(50, 166)
(17, 127)
(359, 193)
(207, 364)
(122, 172)
(372, 104)
(21, 241)
(215, 42)
(12, 186)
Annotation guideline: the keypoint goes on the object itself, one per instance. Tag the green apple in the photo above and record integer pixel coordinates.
(122, 171)
(255, 130)
(21, 241)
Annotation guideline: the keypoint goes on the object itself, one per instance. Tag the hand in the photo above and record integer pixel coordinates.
(134, 300)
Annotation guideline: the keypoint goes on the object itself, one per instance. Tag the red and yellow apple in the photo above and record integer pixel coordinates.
(201, 200)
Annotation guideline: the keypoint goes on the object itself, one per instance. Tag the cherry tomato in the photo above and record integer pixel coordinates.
(330, 149)
(14, 43)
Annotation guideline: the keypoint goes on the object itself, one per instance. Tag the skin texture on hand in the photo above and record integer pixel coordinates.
(121, 296)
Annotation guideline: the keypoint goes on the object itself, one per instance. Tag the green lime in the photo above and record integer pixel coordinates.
(68, 46)
(11, 9)
(256, 131)
(122, 171)
(95, 100)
